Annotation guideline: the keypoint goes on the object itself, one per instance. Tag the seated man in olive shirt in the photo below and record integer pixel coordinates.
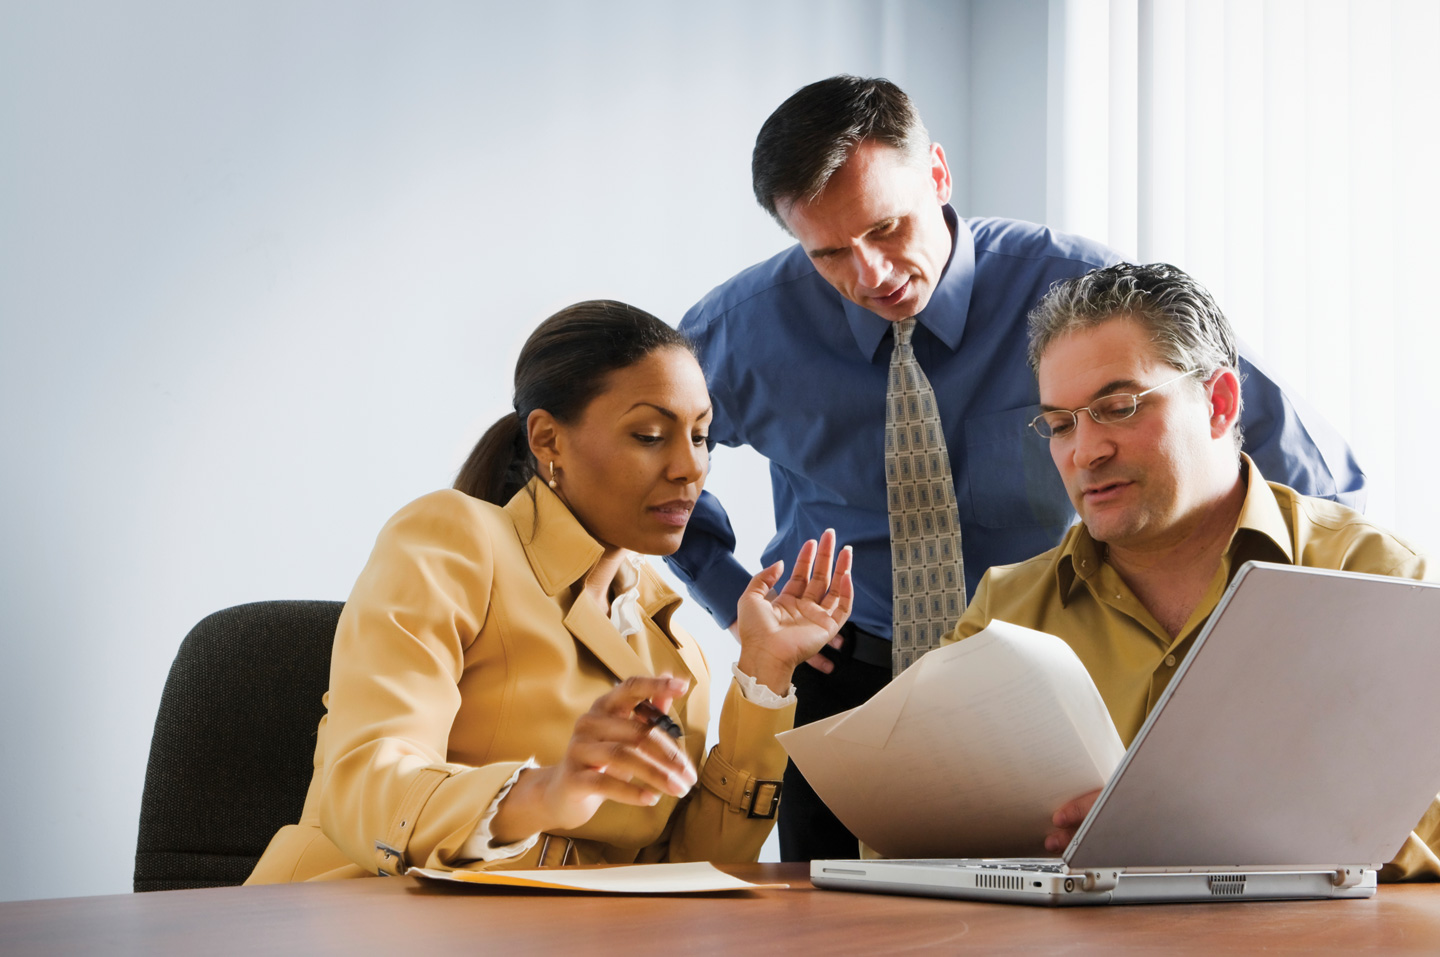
(1140, 404)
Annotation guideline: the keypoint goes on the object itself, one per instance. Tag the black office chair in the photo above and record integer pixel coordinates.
(234, 742)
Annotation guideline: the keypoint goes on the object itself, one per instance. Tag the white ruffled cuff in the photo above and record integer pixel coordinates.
(756, 693)
(477, 846)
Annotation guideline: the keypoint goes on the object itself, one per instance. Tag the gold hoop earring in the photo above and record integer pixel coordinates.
(552, 483)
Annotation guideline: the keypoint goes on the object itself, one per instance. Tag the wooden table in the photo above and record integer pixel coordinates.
(404, 916)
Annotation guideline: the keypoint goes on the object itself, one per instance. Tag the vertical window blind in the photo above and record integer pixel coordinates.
(1284, 153)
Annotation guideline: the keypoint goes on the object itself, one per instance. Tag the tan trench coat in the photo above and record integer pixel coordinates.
(461, 653)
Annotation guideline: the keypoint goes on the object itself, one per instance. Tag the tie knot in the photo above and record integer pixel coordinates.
(904, 329)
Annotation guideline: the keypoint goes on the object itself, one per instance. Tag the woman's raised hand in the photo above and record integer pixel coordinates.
(613, 755)
(777, 634)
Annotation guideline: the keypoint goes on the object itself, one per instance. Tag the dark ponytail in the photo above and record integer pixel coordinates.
(499, 464)
(562, 367)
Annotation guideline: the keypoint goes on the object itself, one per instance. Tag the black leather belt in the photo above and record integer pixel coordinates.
(864, 647)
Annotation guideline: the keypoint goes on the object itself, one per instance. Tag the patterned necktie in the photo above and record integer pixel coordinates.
(927, 570)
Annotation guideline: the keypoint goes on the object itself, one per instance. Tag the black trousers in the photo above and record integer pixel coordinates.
(807, 827)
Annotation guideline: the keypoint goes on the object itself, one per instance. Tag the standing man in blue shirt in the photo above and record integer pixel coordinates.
(797, 350)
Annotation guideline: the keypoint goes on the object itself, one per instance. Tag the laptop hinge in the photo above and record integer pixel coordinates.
(1347, 876)
(1100, 880)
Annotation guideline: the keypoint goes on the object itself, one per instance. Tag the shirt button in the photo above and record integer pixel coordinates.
(1169, 661)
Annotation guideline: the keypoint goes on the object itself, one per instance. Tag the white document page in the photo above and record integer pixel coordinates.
(968, 753)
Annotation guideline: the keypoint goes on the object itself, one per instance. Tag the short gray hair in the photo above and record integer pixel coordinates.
(1185, 324)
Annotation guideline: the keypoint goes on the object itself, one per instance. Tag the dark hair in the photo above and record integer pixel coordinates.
(562, 367)
(813, 133)
(1184, 321)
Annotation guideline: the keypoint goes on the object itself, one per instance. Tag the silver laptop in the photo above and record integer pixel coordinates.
(1289, 758)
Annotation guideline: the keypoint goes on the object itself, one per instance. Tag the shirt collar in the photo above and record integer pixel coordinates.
(1079, 556)
(1260, 513)
(1076, 561)
(949, 306)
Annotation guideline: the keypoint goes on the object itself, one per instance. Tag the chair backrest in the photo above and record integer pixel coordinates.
(232, 753)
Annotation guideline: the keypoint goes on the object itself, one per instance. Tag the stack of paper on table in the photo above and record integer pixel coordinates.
(967, 753)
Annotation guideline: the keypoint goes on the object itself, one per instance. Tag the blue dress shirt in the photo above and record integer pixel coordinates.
(798, 373)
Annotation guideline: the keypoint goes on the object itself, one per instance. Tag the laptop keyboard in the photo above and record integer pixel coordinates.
(1034, 865)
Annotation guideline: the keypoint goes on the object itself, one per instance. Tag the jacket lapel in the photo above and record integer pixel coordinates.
(592, 629)
(659, 603)
(561, 553)
(690, 654)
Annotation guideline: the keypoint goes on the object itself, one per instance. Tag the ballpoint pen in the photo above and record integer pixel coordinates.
(653, 716)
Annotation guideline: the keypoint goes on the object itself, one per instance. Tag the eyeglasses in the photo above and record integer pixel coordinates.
(1105, 410)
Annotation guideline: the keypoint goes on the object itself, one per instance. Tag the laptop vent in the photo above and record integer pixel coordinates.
(1227, 885)
(1004, 882)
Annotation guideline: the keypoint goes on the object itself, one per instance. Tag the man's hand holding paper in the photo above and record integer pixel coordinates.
(1067, 820)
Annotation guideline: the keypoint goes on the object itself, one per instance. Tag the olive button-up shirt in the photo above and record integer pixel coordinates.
(1072, 592)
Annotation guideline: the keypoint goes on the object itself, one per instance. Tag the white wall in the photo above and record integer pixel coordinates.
(1005, 166)
(264, 270)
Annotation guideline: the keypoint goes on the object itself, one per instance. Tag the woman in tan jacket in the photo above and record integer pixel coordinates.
(495, 666)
